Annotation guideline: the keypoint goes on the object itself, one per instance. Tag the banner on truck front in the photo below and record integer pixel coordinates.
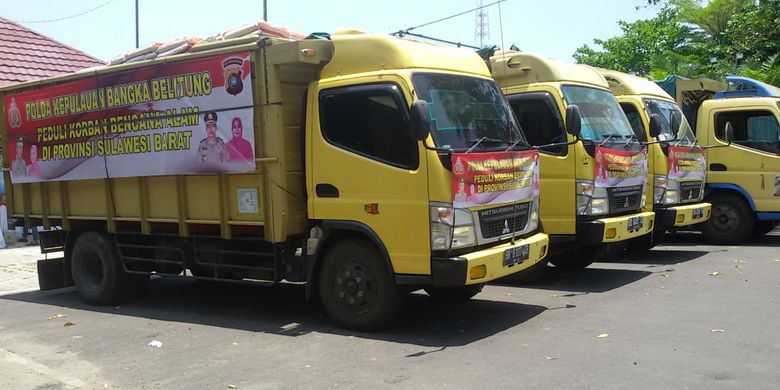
(619, 168)
(184, 117)
(686, 163)
(480, 179)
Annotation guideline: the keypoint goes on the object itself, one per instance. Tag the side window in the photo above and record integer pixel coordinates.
(635, 120)
(540, 119)
(755, 129)
(370, 120)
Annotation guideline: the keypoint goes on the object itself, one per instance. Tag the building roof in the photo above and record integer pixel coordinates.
(27, 55)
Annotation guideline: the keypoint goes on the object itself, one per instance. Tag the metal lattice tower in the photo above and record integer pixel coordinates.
(482, 25)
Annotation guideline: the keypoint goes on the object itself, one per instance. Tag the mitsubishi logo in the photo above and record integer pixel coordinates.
(506, 227)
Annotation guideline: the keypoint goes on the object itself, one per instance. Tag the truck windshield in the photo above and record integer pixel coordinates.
(466, 111)
(674, 126)
(602, 117)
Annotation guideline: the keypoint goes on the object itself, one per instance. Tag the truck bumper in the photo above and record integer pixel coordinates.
(682, 215)
(487, 264)
(614, 229)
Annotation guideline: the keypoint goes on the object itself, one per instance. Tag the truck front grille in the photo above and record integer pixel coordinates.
(624, 198)
(503, 220)
(690, 191)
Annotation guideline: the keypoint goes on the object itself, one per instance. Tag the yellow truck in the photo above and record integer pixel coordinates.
(677, 163)
(364, 165)
(743, 177)
(594, 173)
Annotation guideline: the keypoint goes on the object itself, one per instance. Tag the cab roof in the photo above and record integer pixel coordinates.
(360, 52)
(625, 84)
(511, 68)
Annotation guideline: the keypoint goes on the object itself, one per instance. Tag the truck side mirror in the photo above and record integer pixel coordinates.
(573, 120)
(729, 133)
(419, 120)
(675, 120)
(655, 125)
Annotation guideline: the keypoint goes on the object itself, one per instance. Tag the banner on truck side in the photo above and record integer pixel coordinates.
(686, 163)
(618, 168)
(480, 179)
(185, 117)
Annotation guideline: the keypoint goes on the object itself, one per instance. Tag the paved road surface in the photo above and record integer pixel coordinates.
(666, 322)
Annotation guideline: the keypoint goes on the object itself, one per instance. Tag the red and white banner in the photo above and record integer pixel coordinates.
(686, 163)
(480, 179)
(619, 168)
(183, 117)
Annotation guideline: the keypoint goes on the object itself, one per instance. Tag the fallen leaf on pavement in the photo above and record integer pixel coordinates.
(56, 316)
(716, 273)
(603, 335)
(550, 357)
(69, 324)
(232, 387)
(740, 261)
(717, 330)
(665, 275)
(155, 343)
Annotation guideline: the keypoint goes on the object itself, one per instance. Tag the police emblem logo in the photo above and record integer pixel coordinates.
(233, 69)
(14, 116)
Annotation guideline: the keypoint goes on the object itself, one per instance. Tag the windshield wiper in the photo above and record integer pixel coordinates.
(630, 138)
(609, 136)
(477, 142)
(519, 140)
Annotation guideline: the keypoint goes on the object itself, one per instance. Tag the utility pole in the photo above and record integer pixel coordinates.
(136, 24)
(482, 25)
(265, 10)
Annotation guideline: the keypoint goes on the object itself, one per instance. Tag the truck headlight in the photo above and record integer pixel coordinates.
(591, 200)
(451, 228)
(659, 188)
(533, 218)
(672, 193)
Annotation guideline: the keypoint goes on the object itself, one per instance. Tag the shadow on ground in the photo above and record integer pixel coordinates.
(657, 257)
(283, 310)
(687, 238)
(578, 282)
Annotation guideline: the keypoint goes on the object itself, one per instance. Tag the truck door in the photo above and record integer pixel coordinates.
(753, 161)
(367, 170)
(540, 117)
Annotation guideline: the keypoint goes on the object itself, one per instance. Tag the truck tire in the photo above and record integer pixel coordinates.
(575, 259)
(356, 288)
(97, 272)
(646, 242)
(454, 294)
(731, 221)
(762, 228)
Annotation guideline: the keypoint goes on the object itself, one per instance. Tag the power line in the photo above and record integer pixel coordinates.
(453, 16)
(68, 17)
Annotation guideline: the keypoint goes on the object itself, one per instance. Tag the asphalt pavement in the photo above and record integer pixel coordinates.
(685, 315)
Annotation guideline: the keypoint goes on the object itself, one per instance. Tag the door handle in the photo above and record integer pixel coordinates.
(325, 190)
(718, 167)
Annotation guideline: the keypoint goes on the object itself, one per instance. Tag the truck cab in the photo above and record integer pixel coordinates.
(677, 163)
(381, 166)
(743, 176)
(593, 180)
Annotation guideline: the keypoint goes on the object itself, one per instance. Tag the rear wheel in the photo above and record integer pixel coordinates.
(731, 221)
(454, 294)
(97, 271)
(356, 288)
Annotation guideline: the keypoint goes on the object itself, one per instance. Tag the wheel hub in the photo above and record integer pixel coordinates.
(355, 287)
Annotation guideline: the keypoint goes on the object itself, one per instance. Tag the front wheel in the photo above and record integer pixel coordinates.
(646, 242)
(577, 258)
(731, 221)
(454, 294)
(356, 288)
(762, 228)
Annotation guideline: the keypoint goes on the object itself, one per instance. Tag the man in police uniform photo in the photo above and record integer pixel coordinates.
(212, 148)
(18, 167)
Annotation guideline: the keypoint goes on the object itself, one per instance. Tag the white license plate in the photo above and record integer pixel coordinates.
(635, 223)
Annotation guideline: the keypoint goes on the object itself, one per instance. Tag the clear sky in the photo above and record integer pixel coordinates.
(554, 28)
